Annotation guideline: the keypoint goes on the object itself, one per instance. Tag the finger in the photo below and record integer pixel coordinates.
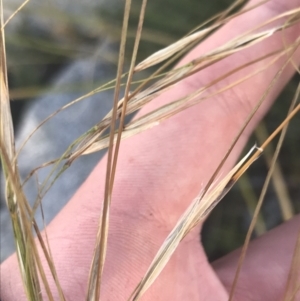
(159, 173)
(265, 270)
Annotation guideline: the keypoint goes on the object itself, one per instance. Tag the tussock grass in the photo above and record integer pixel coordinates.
(162, 79)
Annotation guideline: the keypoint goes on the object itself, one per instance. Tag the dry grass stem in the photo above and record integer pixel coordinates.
(200, 207)
(285, 202)
(13, 193)
(22, 219)
(283, 128)
(101, 240)
(15, 12)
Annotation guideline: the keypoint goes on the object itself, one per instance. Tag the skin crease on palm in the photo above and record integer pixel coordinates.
(159, 173)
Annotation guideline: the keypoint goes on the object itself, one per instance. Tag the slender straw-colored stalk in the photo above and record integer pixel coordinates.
(15, 12)
(278, 180)
(127, 90)
(101, 240)
(283, 127)
(26, 262)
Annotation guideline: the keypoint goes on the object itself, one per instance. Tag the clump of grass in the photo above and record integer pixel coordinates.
(22, 215)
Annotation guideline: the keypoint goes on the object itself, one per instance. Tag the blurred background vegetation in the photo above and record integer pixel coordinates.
(36, 54)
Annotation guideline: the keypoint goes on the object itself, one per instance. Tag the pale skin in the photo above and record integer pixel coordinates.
(159, 172)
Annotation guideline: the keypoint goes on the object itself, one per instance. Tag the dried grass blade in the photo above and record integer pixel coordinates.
(155, 117)
(19, 209)
(15, 12)
(193, 38)
(167, 52)
(26, 264)
(127, 89)
(197, 211)
(283, 128)
(279, 184)
(17, 212)
(96, 270)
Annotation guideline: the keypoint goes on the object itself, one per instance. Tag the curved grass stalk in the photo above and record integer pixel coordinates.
(283, 127)
(96, 270)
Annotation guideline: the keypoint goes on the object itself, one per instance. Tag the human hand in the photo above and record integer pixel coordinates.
(159, 172)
